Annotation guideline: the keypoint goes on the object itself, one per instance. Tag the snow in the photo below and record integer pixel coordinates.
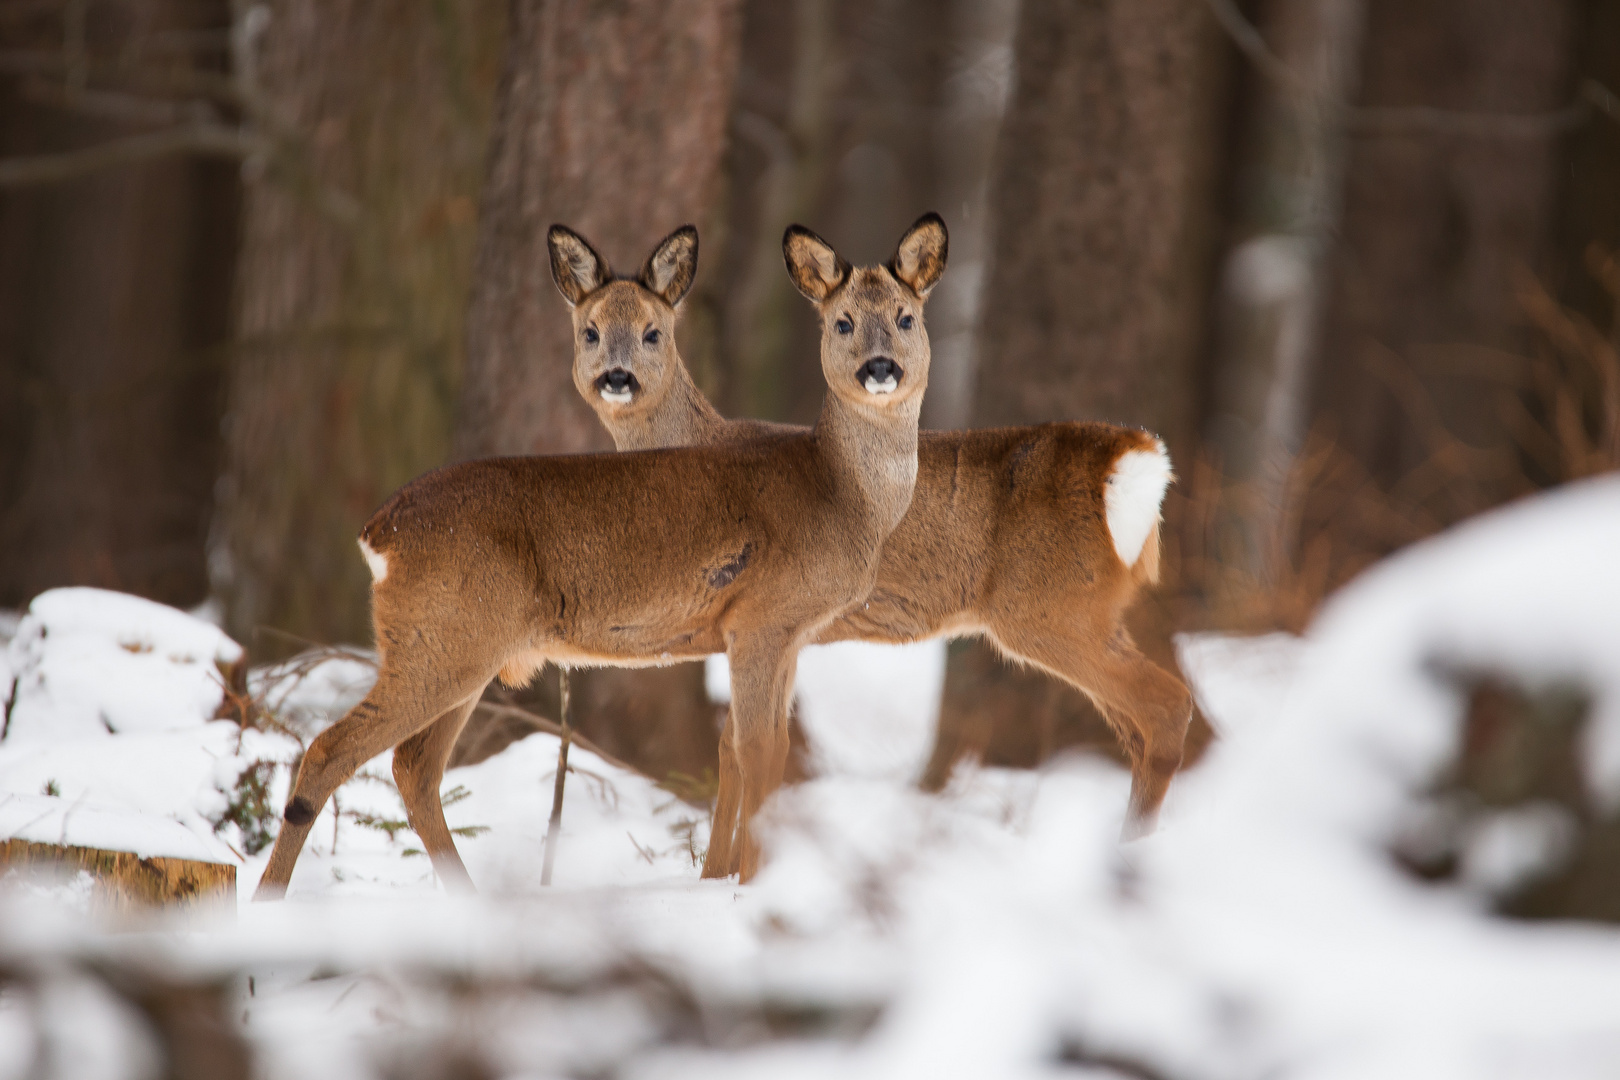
(90, 661)
(45, 820)
(999, 929)
(867, 710)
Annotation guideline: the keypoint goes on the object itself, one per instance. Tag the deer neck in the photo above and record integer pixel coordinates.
(683, 417)
(872, 452)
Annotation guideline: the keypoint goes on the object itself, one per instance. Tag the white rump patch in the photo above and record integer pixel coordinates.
(376, 560)
(622, 397)
(1133, 495)
(887, 386)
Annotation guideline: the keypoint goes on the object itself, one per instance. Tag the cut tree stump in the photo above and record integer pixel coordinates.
(126, 882)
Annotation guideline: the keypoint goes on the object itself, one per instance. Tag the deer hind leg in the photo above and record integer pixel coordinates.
(1148, 707)
(418, 772)
(754, 752)
(398, 706)
(719, 861)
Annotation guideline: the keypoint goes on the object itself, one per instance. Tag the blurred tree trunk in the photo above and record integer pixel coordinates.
(1588, 211)
(349, 325)
(837, 123)
(610, 118)
(1274, 279)
(1436, 225)
(1103, 195)
(114, 301)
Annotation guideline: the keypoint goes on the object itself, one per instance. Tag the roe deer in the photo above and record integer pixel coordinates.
(496, 567)
(1035, 537)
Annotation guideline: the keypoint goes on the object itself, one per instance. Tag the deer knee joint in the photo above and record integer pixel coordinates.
(299, 811)
(1165, 763)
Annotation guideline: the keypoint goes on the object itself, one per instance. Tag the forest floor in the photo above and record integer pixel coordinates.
(1286, 920)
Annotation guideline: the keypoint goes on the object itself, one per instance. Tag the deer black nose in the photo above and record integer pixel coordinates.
(618, 380)
(618, 384)
(880, 375)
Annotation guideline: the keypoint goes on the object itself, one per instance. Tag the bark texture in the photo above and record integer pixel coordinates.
(349, 326)
(114, 301)
(1588, 212)
(1102, 195)
(1102, 199)
(610, 118)
(835, 124)
(1436, 226)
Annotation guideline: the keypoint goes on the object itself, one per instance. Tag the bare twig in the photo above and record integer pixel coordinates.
(1413, 120)
(1423, 120)
(551, 727)
(1248, 40)
(209, 139)
(268, 141)
(116, 105)
(555, 825)
(169, 80)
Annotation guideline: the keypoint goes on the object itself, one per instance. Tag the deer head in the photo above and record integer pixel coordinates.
(624, 328)
(874, 348)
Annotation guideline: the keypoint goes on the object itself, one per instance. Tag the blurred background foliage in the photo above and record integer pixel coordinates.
(262, 263)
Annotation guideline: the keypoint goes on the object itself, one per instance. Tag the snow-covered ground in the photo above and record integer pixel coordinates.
(998, 930)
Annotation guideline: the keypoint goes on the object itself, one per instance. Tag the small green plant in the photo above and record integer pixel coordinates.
(250, 808)
(391, 826)
(51, 789)
(697, 790)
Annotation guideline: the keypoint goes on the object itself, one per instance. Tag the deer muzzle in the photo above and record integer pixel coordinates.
(617, 385)
(880, 375)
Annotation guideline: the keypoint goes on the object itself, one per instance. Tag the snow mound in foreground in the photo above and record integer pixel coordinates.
(89, 662)
(1000, 929)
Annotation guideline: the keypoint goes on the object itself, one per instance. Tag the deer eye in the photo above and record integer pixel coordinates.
(844, 326)
(591, 336)
(905, 322)
(651, 336)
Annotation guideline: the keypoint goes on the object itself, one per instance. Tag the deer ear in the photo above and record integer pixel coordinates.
(816, 269)
(919, 260)
(672, 265)
(575, 266)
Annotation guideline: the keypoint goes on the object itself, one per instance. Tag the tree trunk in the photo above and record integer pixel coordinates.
(611, 119)
(349, 326)
(1274, 280)
(836, 124)
(114, 302)
(1102, 198)
(1436, 225)
(1588, 211)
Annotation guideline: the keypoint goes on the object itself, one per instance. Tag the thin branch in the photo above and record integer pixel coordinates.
(112, 105)
(551, 727)
(1248, 40)
(1423, 120)
(209, 139)
(1418, 119)
(554, 826)
(168, 79)
(1606, 100)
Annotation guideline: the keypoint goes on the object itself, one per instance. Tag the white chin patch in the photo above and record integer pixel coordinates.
(621, 397)
(887, 386)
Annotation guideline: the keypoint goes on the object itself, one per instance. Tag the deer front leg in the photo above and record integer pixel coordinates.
(754, 752)
(418, 773)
